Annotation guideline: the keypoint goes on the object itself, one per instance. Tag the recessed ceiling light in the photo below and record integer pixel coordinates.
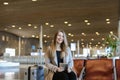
(83, 34)
(51, 25)
(82, 43)
(86, 21)
(98, 42)
(111, 32)
(72, 35)
(69, 24)
(97, 33)
(90, 43)
(5, 3)
(37, 36)
(13, 26)
(19, 28)
(103, 38)
(92, 39)
(66, 22)
(29, 24)
(48, 36)
(35, 27)
(108, 22)
(82, 39)
(46, 23)
(72, 40)
(33, 35)
(107, 19)
(69, 34)
(96, 45)
(34, 0)
(103, 44)
(45, 41)
(44, 35)
(101, 47)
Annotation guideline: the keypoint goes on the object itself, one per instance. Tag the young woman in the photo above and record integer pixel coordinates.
(56, 54)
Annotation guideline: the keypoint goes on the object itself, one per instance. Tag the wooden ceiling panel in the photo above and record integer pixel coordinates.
(23, 12)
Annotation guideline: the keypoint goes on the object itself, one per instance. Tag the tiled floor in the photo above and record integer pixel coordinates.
(13, 73)
(10, 74)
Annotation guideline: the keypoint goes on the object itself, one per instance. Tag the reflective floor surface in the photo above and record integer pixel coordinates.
(16, 73)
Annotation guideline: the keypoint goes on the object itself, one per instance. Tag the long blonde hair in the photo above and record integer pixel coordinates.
(63, 45)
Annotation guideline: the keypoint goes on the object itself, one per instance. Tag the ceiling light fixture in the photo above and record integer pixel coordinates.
(33, 35)
(34, 0)
(48, 36)
(111, 32)
(13, 26)
(92, 39)
(51, 25)
(97, 33)
(46, 23)
(108, 22)
(5, 3)
(82, 39)
(107, 19)
(103, 38)
(66, 22)
(69, 24)
(86, 21)
(69, 34)
(29, 24)
(35, 27)
(19, 28)
(44, 35)
(36, 37)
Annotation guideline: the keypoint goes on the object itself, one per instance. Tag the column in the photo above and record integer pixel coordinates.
(78, 48)
(40, 39)
(118, 43)
(119, 28)
(19, 46)
(40, 44)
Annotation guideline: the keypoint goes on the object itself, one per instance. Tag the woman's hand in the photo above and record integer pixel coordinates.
(69, 70)
(60, 69)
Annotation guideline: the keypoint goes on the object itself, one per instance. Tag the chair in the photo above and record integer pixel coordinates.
(117, 65)
(78, 65)
(99, 69)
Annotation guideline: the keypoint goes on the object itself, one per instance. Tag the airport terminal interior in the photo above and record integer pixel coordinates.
(27, 28)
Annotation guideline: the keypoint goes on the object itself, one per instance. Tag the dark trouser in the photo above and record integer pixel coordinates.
(64, 76)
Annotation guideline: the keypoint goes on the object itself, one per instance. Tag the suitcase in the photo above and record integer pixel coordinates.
(34, 73)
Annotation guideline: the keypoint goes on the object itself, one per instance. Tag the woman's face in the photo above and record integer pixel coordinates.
(59, 38)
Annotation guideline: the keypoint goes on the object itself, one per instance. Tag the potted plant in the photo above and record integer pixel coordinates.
(111, 43)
